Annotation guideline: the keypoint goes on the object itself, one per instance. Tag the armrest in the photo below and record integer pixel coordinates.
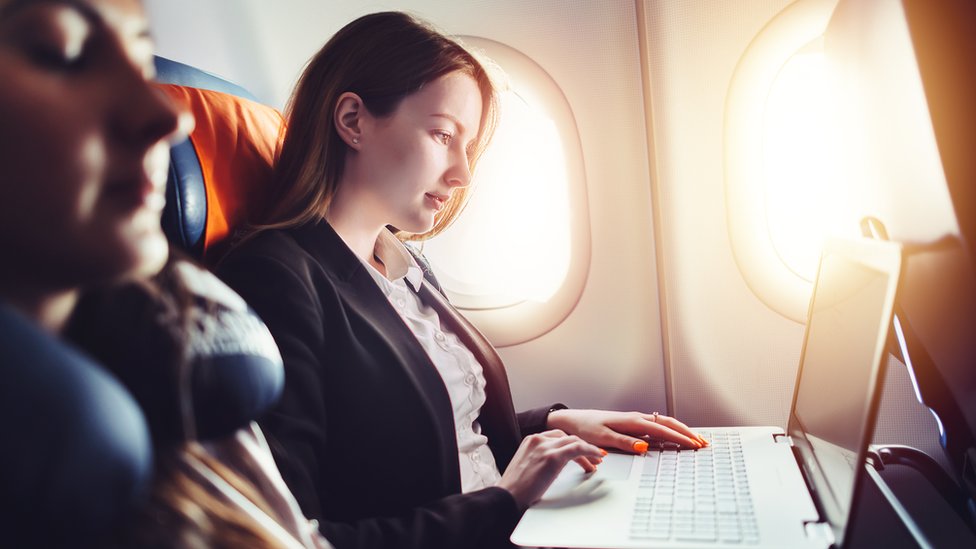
(895, 454)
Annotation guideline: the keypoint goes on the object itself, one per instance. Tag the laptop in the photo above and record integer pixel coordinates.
(753, 486)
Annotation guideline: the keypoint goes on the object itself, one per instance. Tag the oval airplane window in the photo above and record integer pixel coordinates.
(516, 260)
(775, 160)
(804, 195)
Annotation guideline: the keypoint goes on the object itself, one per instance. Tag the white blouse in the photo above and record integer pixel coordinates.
(461, 372)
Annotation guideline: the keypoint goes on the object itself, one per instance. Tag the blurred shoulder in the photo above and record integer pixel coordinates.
(202, 283)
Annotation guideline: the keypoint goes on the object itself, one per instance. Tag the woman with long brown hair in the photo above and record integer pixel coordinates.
(396, 427)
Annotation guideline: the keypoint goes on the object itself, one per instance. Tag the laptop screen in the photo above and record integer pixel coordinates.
(836, 396)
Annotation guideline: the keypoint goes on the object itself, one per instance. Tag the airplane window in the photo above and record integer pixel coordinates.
(777, 160)
(512, 242)
(824, 126)
(803, 194)
(516, 260)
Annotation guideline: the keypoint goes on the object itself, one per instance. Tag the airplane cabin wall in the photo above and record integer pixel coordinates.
(731, 358)
(651, 128)
(609, 351)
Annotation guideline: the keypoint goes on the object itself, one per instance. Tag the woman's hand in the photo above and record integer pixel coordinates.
(627, 431)
(539, 459)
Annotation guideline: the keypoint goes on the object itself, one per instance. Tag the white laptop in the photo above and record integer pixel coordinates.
(754, 486)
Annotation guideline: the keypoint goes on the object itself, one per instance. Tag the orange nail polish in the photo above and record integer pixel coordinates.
(640, 446)
(604, 452)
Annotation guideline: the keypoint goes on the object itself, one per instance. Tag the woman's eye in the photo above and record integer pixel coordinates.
(55, 58)
(443, 137)
(53, 36)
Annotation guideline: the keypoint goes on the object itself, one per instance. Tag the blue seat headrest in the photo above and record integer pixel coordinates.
(187, 343)
(76, 451)
(185, 216)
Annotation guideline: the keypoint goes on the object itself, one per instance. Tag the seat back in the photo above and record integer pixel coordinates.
(220, 175)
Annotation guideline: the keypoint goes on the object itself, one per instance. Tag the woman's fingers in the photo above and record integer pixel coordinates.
(680, 427)
(627, 431)
(540, 458)
(669, 428)
(632, 435)
(588, 464)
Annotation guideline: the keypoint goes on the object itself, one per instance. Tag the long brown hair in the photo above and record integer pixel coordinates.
(383, 58)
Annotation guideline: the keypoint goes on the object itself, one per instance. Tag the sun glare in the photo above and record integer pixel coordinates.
(511, 244)
(805, 198)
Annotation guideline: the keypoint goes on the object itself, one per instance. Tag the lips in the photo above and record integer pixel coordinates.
(136, 192)
(437, 201)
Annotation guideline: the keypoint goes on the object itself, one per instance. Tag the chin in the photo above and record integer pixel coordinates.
(417, 226)
(145, 258)
(152, 256)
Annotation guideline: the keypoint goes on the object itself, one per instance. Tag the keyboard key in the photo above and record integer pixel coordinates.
(696, 496)
(695, 536)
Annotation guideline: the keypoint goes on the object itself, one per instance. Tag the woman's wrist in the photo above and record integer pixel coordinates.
(553, 418)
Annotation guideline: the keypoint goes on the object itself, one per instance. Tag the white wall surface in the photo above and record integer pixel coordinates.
(609, 351)
(732, 359)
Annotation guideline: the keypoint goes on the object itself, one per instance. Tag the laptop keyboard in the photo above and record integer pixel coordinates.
(696, 495)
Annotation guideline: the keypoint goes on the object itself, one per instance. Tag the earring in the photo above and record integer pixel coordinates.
(355, 140)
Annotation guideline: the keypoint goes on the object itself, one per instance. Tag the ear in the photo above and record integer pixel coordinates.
(348, 116)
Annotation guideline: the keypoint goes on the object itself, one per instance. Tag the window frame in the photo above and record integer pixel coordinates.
(521, 321)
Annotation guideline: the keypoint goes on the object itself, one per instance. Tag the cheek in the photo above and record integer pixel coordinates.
(108, 249)
(52, 156)
(55, 157)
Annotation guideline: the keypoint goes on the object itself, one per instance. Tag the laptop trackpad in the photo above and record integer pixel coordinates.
(574, 487)
(615, 467)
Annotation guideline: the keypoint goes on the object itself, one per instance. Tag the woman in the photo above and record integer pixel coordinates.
(396, 427)
(84, 145)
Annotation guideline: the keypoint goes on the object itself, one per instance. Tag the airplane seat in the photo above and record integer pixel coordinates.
(220, 174)
(76, 450)
(935, 312)
(938, 298)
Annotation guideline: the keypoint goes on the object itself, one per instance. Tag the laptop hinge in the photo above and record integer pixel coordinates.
(820, 531)
(783, 439)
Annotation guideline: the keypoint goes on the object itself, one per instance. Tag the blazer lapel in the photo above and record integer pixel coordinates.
(497, 419)
(363, 296)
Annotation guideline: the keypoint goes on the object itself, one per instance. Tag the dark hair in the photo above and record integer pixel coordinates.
(383, 58)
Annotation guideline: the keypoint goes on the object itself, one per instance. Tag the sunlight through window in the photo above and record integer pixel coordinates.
(511, 244)
(803, 196)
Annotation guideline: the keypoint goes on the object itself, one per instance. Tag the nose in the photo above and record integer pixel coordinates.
(145, 115)
(459, 174)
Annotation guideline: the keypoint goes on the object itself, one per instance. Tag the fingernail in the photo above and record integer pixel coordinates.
(640, 446)
(604, 452)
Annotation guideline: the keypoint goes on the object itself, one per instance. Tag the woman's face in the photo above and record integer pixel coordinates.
(410, 162)
(83, 143)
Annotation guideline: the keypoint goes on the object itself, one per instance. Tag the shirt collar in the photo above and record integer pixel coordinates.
(398, 261)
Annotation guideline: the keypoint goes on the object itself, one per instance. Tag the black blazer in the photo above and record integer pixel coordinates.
(364, 433)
